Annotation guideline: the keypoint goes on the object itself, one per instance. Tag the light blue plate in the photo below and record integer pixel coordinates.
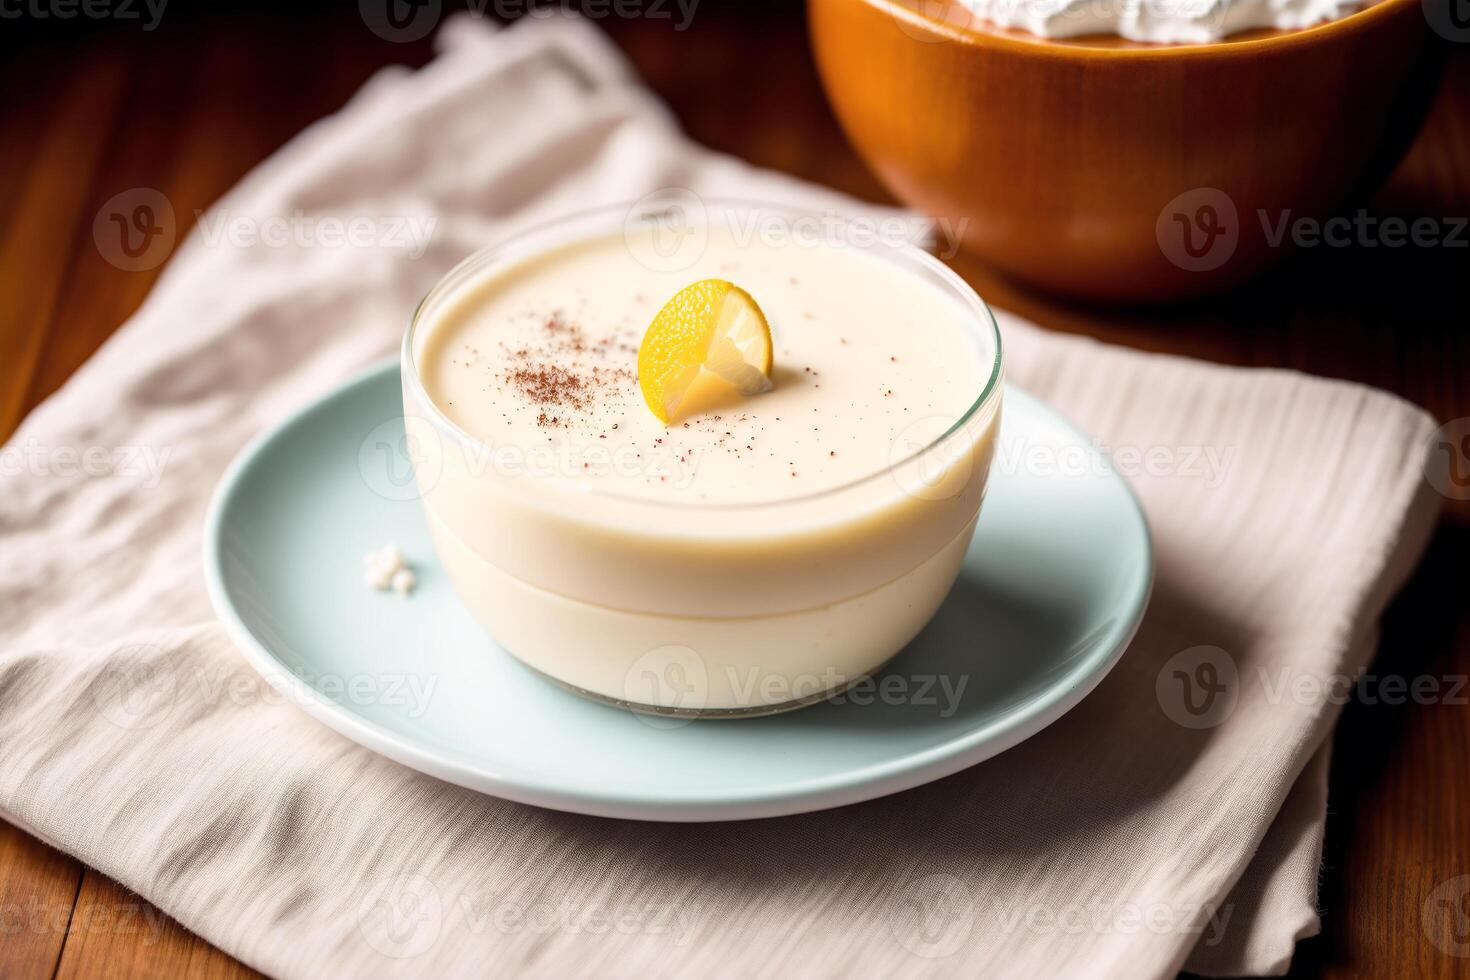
(1051, 592)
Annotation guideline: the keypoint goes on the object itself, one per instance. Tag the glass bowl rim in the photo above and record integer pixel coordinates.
(982, 319)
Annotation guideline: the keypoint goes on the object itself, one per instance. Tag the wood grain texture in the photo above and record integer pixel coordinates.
(38, 889)
(189, 108)
(48, 211)
(114, 934)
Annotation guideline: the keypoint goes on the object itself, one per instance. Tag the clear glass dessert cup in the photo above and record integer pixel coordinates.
(692, 609)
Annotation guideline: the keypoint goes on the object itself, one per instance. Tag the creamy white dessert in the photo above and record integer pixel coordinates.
(545, 354)
(1158, 21)
(756, 551)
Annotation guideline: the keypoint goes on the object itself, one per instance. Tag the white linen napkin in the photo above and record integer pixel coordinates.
(1132, 838)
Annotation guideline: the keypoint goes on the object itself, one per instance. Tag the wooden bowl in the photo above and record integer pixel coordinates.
(1122, 172)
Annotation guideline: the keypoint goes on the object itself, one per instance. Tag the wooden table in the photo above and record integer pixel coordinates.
(190, 107)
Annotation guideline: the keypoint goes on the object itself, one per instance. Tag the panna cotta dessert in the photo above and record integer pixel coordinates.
(710, 469)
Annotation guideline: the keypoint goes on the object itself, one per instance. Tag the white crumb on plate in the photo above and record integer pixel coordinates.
(385, 569)
(403, 581)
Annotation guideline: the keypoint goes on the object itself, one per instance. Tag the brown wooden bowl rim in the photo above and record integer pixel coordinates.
(1064, 50)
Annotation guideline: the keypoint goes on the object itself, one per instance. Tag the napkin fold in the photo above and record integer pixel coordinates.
(1173, 819)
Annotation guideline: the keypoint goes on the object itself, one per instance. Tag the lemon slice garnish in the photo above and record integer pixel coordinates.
(711, 325)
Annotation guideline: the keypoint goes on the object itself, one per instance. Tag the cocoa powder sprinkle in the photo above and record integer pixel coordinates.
(549, 384)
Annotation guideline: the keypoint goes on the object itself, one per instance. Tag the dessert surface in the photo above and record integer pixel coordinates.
(538, 361)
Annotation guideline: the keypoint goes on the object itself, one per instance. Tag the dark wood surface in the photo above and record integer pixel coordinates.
(189, 107)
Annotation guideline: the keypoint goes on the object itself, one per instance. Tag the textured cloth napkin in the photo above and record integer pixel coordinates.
(1173, 820)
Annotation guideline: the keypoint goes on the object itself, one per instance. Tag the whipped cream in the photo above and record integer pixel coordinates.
(1158, 21)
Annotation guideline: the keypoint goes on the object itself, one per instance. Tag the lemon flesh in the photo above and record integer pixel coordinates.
(712, 325)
